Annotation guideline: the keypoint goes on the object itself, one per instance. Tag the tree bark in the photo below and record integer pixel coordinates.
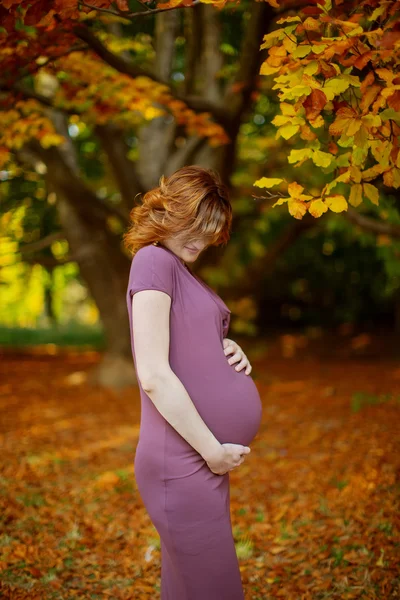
(103, 266)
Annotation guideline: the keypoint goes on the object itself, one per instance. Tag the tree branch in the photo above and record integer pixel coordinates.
(211, 59)
(124, 169)
(238, 94)
(369, 224)
(30, 93)
(120, 64)
(259, 267)
(193, 28)
(50, 262)
(86, 202)
(165, 33)
(42, 243)
(143, 13)
(128, 68)
(34, 68)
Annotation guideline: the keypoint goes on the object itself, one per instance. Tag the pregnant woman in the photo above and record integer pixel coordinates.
(200, 408)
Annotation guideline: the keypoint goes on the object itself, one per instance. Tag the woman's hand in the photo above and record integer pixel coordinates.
(231, 347)
(227, 458)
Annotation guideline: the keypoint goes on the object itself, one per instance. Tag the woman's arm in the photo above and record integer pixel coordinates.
(151, 333)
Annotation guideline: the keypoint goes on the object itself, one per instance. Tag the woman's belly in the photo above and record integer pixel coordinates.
(227, 400)
(233, 409)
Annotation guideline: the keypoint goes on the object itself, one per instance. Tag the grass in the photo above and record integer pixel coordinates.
(69, 334)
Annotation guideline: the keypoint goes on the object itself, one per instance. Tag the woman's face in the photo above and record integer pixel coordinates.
(187, 249)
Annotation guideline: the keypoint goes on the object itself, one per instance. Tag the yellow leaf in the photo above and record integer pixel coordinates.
(288, 109)
(355, 174)
(337, 203)
(307, 134)
(287, 131)
(51, 139)
(346, 122)
(280, 201)
(311, 81)
(295, 189)
(301, 154)
(267, 70)
(355, 31)
(386, 74)
(361, 138)
(389, 91)
(371, 120)
(359, 156)
(374, 171)
(311, 24)
(297, 208)
(289, 20)
(218, 3)
(392, 178)
(267, 182)
(302, 51)
(355, 197)
(321, 159)
(377, 12)
(318, 122)
(272, 37)
(371, 192)
(170, 4)
(296, 91)
(273, 3)
(369, 96)
(335, 86)
(289, 44)
(317, 208)
(381, 150)
(318, 48)
(151, 112)
(311, 68)
(279, 120)
(277, 51)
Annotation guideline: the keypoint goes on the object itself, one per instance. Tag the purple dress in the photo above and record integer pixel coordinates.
(188, 504)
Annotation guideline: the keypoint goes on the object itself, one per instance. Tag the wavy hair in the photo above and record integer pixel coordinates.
(192, 202)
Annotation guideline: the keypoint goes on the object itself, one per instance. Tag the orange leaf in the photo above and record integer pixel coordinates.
(314, 103)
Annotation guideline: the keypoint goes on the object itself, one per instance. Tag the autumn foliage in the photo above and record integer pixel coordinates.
(315, 507)
(335, 68)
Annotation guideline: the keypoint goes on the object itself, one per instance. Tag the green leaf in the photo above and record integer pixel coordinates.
(390, 113)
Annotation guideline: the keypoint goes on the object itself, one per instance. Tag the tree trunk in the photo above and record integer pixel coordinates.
(98, 252)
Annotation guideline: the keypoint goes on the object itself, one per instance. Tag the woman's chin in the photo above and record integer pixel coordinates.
(191, 255)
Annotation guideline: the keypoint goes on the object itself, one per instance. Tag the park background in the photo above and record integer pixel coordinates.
(96, 105)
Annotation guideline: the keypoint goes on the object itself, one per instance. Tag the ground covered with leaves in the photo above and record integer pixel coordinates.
(315, 506)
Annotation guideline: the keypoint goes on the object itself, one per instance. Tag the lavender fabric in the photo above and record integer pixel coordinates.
(188, 504)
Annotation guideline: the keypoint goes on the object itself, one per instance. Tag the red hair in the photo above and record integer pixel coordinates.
(193, 200)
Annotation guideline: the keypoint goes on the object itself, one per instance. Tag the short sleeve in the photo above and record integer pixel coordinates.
(152, 268)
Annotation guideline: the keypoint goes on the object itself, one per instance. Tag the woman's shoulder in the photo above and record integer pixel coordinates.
(154, 255)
